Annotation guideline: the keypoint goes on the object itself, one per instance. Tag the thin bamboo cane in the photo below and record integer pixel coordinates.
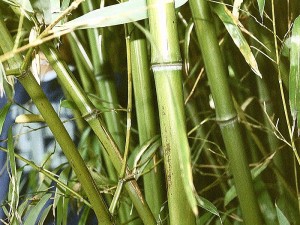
(61, 135)
(105, 81)
(167, 68)
(144, 103)
(226, 114)
(93, 117)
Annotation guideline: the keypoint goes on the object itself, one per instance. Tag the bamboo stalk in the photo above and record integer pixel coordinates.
(166, 65)
(93, 117)
(225, 111)
(61, 135)
(153, 181)
(105, 82)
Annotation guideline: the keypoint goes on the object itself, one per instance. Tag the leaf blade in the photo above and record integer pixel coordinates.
(232, 25)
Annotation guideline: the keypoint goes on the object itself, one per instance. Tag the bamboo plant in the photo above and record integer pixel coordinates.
(208, 135)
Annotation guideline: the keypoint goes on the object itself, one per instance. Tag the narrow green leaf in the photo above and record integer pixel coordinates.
(204, 219)
(281, 217)
(49, 9)
(23, 207)
(84, 216)
(65, 4)
(36, 210)
(232, 25)
(68, 104)
(14, 180)
(138, 153)
(25, 4)
(3, 113)
(54, 9)
(207, 205)
(44, 215)
(60, 201)
(125, 12)
(2, 75)
(294, 77)
(261, 7)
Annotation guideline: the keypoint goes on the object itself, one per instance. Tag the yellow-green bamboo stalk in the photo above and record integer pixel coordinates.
(105, 81)
(225, 111)
(144, 104)
(167, 68)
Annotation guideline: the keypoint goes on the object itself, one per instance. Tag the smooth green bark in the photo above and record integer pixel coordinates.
(166, 65)
(144, 103)
(225, 112)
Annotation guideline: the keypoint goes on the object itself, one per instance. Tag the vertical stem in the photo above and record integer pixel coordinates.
(167, 66)
(225, 111)
(153, 181)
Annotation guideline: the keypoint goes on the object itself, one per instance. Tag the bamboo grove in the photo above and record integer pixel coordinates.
(186, 111)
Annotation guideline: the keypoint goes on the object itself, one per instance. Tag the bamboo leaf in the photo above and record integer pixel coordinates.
(23, 207)
(29, 118)
(84, 216)
(68, 104)
(125, 12)
(2, 76)
(65, 4)
(137, 154)
(208, 206)
(261, 7)
(25, 5)
(14, 180)
(49, 9)
(45, 214)
(60, 202)
(294, 77)
(281, 217)
(36, 210)
(3, 113)
(232, 25)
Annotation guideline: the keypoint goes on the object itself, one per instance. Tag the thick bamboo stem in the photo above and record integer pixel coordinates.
(225, 111)
(153, 181)
(167, 66)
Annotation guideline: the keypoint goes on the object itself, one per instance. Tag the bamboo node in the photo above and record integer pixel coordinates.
(227, 121)
(93, 114)
(166, 66)
(23, 74)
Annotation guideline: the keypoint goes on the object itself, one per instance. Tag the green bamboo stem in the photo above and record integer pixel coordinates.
(166, 65)
(153, 181)
(93, 117)
(225, 111)
(61, 135)
(105, 82)
(83, 63)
